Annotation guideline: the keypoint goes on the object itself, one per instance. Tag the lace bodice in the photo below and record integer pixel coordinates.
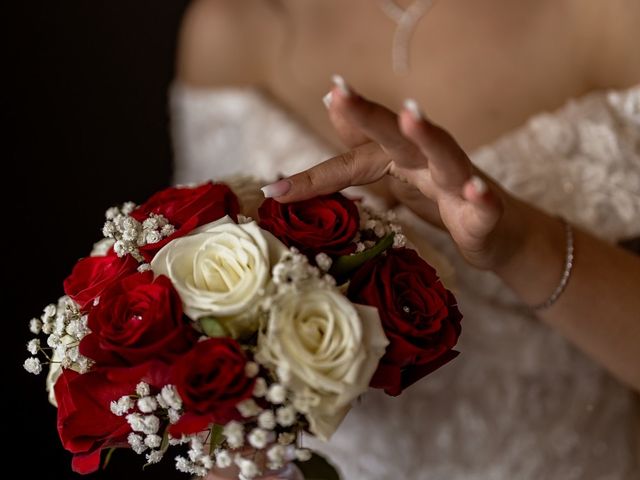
(519, 402)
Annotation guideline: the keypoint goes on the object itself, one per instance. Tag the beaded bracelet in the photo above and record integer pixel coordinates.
(566, 274)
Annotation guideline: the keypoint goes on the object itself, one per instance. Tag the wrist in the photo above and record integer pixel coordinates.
(536, 258)
(508, 243)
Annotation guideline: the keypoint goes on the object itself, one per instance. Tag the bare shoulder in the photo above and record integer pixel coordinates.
(226, 42)
(614, 35)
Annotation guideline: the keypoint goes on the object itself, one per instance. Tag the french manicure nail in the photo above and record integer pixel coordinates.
(479, 185)
(414, 109)
(277, 189)
(327, 99)
(339, 82)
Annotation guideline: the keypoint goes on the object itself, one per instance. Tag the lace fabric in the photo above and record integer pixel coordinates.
(519, 402)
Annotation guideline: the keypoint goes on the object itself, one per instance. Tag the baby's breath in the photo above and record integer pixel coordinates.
(129, 235)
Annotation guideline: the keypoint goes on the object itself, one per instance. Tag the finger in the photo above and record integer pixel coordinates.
(377, 123)
(486, 205)
(360, 166)
(449, 165)
(352, 137)
(349, 134)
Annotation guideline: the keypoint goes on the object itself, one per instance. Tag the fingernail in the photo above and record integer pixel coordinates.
(276, 189)
(414, 109)
(479, 185)
(339, 82)
(327, 99)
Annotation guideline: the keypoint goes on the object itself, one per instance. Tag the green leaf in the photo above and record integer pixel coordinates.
(107, 457)
(318, 468)
(216, 437)
(212, 327)
(345, 265)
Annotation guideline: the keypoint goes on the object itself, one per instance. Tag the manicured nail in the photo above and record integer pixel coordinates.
(479, 185)
(277, 189)
(339, 82)
(414, 109)
(327, 99)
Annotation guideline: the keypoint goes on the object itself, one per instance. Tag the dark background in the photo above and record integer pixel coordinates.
(86, 125)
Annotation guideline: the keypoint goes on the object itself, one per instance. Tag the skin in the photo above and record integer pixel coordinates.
(479, 67)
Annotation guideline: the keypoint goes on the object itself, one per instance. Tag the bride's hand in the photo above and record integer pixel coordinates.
(527, 248)
(430, 173)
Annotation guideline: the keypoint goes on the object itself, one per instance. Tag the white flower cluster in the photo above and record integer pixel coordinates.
(270, 431)
(144, 412)
(198, 461)
(130, 234)
(375, 226)
(64, 326)
(271, 454)
(294, 272)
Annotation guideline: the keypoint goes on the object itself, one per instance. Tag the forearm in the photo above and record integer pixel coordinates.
(599, 311)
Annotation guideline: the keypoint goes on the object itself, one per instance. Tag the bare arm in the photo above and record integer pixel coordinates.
(600, 309)
(226, 43)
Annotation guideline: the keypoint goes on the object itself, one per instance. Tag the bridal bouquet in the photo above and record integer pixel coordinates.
(211, 318)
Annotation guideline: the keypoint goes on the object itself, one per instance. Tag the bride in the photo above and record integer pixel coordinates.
(544, 97)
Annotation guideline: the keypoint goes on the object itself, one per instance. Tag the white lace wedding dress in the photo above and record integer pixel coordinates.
(519, 402)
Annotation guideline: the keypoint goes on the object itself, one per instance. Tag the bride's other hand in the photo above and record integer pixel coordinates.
(431, 174)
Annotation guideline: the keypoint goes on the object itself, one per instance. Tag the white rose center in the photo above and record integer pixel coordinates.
(326, 334)
(221, 266)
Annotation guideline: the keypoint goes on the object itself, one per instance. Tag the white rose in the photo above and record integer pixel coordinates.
(329, 346)
(220, 270)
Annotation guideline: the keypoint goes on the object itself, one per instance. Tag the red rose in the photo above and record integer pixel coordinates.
(211, 380)
(137, 319)
(325, 224)
(86, 424)
(92, 275)
(419, 316)
(187, 208)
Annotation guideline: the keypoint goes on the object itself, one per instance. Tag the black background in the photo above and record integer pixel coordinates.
(86, 127)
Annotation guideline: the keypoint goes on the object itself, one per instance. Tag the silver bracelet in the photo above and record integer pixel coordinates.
(566, 274)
